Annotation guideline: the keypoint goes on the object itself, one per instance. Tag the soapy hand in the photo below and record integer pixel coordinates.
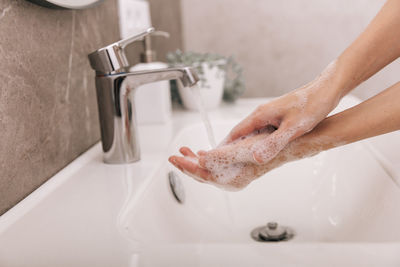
(265, 139)
(228, 167)
(292, 115)
(227, 170)
(223, 171)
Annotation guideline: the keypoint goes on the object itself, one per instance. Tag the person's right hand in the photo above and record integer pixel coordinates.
(292, 115)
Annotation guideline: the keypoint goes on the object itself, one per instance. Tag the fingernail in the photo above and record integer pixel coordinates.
(172, 159)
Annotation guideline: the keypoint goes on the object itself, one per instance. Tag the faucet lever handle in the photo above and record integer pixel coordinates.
(123, 43)
(112, 58)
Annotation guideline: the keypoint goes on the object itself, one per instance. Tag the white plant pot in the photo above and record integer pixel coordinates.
(211, 91)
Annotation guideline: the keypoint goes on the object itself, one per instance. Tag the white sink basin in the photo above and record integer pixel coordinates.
(342, 204)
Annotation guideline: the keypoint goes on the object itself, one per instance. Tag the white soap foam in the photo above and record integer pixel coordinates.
(230, 168)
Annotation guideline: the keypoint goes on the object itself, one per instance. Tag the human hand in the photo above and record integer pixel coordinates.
(227, 170)
(266, 139)
(293, 115)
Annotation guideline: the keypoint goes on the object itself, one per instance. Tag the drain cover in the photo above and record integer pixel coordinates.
(272, 232)
(176, 187)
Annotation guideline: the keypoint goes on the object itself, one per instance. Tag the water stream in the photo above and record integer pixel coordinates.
(211, 139)
(204, 115)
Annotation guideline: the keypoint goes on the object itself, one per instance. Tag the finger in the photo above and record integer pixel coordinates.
(215, 156)
(201, 152)
(173, 160)
(187, 152)
(245, 127)
(203, 161)
(257, 120)
(193, 168)
(239, 152)
(266, 149)
(269, 147)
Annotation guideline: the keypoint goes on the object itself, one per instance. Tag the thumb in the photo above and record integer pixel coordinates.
(255, 121)
(266, 149)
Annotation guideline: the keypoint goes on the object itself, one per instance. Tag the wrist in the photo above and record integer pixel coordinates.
(334, 82)
(350, 72)
(327, 89)
(324, 136)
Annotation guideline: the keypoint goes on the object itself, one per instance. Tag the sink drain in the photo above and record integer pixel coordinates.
(176, 187)
(272, 232)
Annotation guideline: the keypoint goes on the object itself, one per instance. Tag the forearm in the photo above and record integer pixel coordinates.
(375, 48)
(378, 115)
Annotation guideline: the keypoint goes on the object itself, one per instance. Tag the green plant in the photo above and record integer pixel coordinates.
(234, 82)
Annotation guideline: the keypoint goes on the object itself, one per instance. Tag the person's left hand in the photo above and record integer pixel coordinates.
(225, 170)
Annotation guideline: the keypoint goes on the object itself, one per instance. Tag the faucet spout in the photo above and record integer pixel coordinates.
(186, 75)
(115, 97)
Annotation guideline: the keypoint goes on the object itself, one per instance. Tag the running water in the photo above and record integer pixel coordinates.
(204, 116)
(211, 139)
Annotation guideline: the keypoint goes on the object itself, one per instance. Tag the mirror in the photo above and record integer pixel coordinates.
(69, 4)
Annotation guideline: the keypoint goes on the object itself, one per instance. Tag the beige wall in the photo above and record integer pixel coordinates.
(281, 44)
(165, 16)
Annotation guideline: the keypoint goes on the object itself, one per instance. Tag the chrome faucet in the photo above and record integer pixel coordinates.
(115, 89)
